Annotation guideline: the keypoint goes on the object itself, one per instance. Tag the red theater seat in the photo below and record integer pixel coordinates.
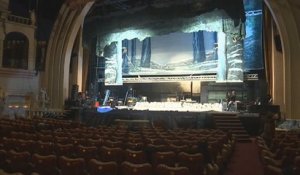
(128, 168)
(195, 162)
(18, 161)
(45, 165)
(64, 150)
(163, 169)
(111, 154)
(96, 167)
(167, 158)
(69, 166)
(135, 156)
(86, 152)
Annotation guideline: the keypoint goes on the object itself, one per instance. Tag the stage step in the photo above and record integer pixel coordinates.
(231, 122)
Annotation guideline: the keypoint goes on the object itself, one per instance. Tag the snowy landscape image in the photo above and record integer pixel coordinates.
(172, 54)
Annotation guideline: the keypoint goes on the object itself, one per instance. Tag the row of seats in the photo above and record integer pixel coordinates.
(99, 144)
(51, 164)
(282, 156)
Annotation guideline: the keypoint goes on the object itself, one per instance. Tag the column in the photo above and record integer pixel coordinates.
(222, 66)
(1, 51)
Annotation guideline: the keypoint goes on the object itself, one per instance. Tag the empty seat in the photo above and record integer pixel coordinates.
(195, 162)
(135, 156)
(95, 142)
(128, 168)
(45, 165)
(45, 138)
(111, 154)
(70, 166)
(297, 165)
(86, 152)
(113, 144)
(78, 141)
(9, 143)
(137, 146)
(44, 148)
(163, 169)
(96, 167)
(26, 145)
(18, 161)
(64, 150)
(167, 157)
(272, 170)
(3, 155)
(178, 148)
(62, 140)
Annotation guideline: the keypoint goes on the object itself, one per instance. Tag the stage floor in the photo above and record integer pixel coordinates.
(167, 119)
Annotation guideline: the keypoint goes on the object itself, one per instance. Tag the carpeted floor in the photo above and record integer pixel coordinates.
(245, 160)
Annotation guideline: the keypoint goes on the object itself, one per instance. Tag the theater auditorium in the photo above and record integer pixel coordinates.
(149, 87)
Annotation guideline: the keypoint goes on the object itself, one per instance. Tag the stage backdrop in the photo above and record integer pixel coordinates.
(181, 53)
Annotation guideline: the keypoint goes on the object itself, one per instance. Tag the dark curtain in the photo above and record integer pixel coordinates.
(133, 51)
(125, 65)
(146, 53)
(125, 43)
(267, 41)
(198, 47)
(215, 45)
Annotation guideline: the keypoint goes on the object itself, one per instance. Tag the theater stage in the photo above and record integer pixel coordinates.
(169, 119)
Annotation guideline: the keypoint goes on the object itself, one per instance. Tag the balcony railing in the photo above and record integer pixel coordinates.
(19, 19)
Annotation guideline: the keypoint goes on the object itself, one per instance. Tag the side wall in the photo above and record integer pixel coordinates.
(286, 15)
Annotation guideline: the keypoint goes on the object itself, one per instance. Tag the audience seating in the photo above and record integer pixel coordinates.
(272, 170)
(163, 169)
(86, 152)
(74, 166)
(296, 169)
(194, 162)
(66, 150)
(111, 154)
(18, 161)
(167, 158)
(280, 156)
(45, 165)
(135, 156)
(128, 168)
(66, 147)
(44, 148)
(96, 167)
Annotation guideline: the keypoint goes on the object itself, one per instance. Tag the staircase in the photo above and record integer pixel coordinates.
(231, 122)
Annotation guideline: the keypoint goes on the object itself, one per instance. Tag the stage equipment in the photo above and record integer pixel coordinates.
(104, 109)
(143, 99)
(107, 93)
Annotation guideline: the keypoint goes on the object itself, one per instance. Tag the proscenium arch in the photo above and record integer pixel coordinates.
(286, 24)
(66, 28)
(279, 10)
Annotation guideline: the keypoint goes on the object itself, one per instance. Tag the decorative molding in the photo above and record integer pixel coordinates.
(16, 73)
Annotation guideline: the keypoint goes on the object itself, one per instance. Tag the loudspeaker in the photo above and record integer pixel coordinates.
(277, 41)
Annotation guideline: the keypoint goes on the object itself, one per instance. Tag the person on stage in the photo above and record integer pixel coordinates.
(231, 100)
